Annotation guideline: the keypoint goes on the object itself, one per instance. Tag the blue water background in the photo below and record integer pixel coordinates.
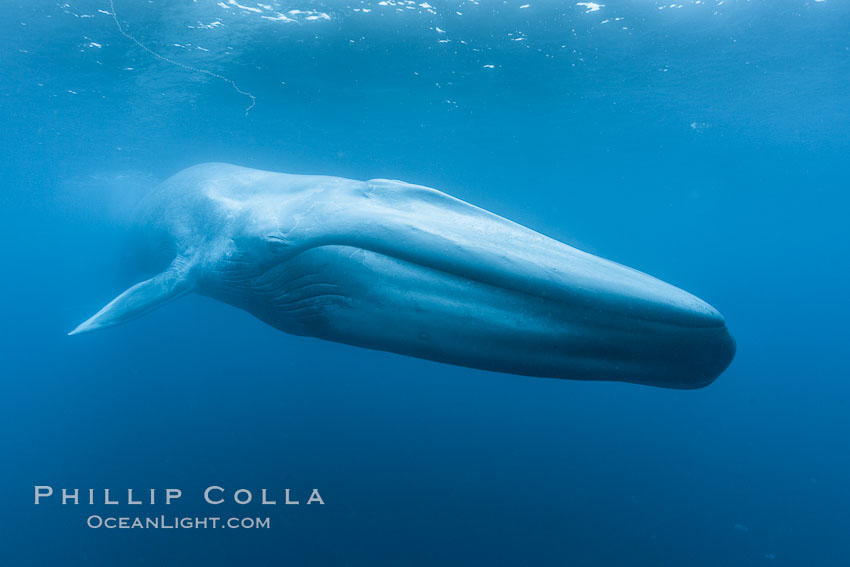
(705, 143)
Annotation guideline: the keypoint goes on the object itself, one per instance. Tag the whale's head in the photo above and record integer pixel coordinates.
(403, 268)
(631, 324)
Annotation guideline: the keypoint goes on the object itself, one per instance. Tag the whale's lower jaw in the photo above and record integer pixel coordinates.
(372, 300)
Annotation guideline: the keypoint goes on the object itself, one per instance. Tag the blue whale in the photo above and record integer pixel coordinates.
(403, 268)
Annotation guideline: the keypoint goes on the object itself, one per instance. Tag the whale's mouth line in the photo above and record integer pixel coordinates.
(589, 304)
(588, 301)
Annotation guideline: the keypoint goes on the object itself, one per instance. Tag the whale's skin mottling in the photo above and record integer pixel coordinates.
(403, 268)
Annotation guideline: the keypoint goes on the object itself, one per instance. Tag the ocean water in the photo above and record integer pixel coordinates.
(705, 143)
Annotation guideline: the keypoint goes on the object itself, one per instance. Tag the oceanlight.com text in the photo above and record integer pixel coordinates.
(175, 522)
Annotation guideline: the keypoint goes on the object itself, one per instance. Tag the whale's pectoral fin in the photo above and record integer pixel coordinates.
(138, 300)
